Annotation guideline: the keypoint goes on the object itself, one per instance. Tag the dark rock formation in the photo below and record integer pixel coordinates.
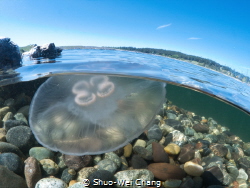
(46, 51)
(10, 56)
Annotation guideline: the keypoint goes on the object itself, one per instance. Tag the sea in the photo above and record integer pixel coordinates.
(197, 89)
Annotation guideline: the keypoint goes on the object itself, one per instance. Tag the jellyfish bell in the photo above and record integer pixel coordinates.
(93, 114)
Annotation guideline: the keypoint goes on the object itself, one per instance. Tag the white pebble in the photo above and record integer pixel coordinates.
(51, 183)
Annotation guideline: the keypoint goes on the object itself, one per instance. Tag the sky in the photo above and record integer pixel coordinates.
(214, 29)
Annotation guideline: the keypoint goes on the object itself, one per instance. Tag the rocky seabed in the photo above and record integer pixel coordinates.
(181, 149)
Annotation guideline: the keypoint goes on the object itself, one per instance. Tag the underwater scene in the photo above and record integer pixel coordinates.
(113, 118)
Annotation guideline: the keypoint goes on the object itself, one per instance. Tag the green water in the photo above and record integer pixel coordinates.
(226, 115)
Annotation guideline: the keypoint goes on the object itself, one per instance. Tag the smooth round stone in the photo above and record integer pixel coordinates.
(172, 183)
(8, 116)
(165, 171)
(159, 155)
(97, 159)
(242, 174)
(103, 175)
(219, 149)
(187, 153)
(78, 185)
(138, 162)
(10, 179)
(107, 164)
(198, 181)
(77, 162)
(32, 171)
(12, 123)
(84, 173)
(175, 124)
(193, 169)
(127, 150)
(154, 133)
(51, 183)
(211, 138)
(172, 149)
(22, 137)
(2, 135)
(212, 176)
(187, 183)
(171, 115)
(201, 128)
(21, 117)
(232, 170)
(189, 131)
(140, 142)
(12, 161)
(10, 148)
(143, 152)
(129, 175)
(244, 163)
(24, 110)
(112, 156)
(179, 137)
(49, 167)
(41, 153)
(68, 175)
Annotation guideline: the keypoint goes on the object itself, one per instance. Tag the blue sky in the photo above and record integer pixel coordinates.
(215, 29)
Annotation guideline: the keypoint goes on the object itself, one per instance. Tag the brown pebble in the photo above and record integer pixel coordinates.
(201, 128)
(159, 155)
(187, 153)
(77, 162)
(127, 150)
(219, 149)
(165, 171)
(32, 171)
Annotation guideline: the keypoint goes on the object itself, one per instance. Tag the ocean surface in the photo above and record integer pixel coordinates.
(195, 88)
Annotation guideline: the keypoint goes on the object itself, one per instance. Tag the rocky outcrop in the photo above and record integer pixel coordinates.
(10, 56)
(46, 51)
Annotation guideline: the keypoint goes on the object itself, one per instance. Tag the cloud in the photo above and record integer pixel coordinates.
(162, 26)
(193, 38)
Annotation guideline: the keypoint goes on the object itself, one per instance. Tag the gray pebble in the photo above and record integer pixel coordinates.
(10, 148)
(143, 152)
(22, 137)
(84, 173)
(68, 175)
(49, 167)
(112, 156)
(154, 133)
(21, 117)
(172, 183)
(41, 153)
(107, 164)
(12, 123)
(12, 161)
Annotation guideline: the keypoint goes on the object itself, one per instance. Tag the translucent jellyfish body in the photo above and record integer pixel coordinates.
(93, 114)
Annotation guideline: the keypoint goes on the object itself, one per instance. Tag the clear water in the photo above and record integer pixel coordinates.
(131, 64)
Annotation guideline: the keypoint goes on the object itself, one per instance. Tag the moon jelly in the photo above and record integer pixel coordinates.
(93, 114)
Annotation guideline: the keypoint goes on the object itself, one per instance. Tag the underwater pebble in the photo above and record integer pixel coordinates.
(172, 183)
(12, 161)
(166, 129)
(242, 174)
(12, 123)
(49, 167)
(107, 164)
(84, 173)
(159, 154)
(165, 171)
(172, 149)
(10, 179)
(186, 153)
(96, 159)
(187, 183)
(178, 137)
(138, 162)
(127, 150)
(8, 116)
(154, 133)
(212, 176)
(9, 102)
(58, 158)
(77, 162)
(51, 183)
(77, 185)
(10, 148)
(193, 169)
(24, 110)
(198, 181)
(174, 124)
(103, 175)
(2, 135)
(171, 115)
(5, 110)
(112, 156)
(143, 152)
(124, 164)
(219, 149)
(189, 131)
(41, 153)
(128, 175)
(32, 171)
(140, 142)
(21, 117)
(201, 128)
(22, 137)
(68, 175)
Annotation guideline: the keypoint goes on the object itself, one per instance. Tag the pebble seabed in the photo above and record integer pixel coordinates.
(181, 149)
